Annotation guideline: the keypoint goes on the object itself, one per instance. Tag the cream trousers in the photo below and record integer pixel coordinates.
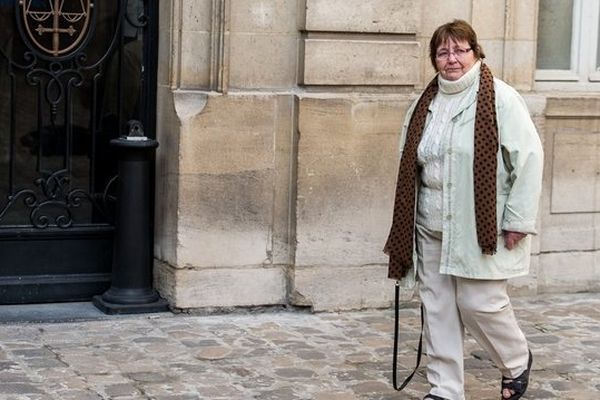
(452, 304)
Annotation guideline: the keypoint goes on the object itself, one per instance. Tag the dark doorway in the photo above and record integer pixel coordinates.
(72, 74)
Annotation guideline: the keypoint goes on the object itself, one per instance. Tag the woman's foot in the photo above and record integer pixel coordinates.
(514, 389)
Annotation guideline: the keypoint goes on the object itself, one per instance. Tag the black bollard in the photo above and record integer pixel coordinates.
(131, 290)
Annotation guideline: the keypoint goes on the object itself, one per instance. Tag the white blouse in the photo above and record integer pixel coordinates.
(431, 150)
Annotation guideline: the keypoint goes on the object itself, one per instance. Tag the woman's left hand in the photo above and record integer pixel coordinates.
(511, 239)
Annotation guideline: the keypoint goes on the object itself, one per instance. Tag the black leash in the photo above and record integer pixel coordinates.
(419, 351)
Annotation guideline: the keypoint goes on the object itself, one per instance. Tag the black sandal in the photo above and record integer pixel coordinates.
(518, 385)
(433, 397)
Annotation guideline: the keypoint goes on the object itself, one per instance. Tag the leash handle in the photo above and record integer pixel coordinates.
(395, 355)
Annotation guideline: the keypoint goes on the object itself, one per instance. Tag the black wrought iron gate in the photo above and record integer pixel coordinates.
(72, 74)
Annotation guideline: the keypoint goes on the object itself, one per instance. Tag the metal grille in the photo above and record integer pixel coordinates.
(72, 73)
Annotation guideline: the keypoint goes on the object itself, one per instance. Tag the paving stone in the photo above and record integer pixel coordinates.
(350, 376)
(213, 353)
(188, 396)
(78, 395)
(545, 339)
(188, 367)
(474, 363)
(225, 391)
(7, 376)
(121, 390)
(44, 363)
(19, 388)
(335, 396)
(278, 394)
(371, 387)
(311, 355)
(283, 356)
(151, 377)
(541, 394)
(294, 373)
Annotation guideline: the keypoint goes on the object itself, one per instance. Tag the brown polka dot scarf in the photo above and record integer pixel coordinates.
(400, 242)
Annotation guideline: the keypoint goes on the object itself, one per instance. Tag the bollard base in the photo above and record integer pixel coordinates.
(160, 305)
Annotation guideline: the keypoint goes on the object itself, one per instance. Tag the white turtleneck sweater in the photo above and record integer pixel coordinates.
(431, 150)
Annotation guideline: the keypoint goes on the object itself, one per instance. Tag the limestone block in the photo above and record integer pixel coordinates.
(165, 42)
(196, 15)
(170, 118)
(344, 288)
(360, 62)
(433, 16)
(576, 166)
(526, 285)
(226, 190)
(427, 69)
(494, 54)
(165, 14)
(536, 104)
(225, 219)
(284, 179)
(569, 272)
(570, 124)
(164, 280)
(523, 22)
(231, 287)
(167, 167)
(235, 179)
(488, 19)
(232, 134)
(195, 55)
(263, 60)
(565, 232)
(570, 106)
(264, 16)
(208, 288)
(165, 57)
(347, 168)
(165, 231)
(519, 63)
(389, 16)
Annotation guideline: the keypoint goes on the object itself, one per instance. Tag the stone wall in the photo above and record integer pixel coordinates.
(278, 122)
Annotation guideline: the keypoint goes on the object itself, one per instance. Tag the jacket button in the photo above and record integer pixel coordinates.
(448, 217)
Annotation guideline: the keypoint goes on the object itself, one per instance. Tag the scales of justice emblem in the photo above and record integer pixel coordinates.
(57, 27)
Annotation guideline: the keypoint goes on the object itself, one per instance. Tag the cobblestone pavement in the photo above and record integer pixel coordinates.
(281, 355)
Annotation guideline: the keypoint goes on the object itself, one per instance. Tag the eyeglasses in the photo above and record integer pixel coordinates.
(458, 53)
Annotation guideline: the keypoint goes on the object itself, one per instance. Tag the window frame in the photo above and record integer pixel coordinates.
(584, 73)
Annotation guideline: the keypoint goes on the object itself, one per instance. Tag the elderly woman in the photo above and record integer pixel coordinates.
(466, 202)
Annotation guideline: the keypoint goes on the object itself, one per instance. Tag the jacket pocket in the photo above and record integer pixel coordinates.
(500, 207)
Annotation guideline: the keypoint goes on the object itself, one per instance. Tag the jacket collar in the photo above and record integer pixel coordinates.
(470, 96)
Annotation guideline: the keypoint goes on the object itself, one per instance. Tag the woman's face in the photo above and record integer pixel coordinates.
(454, 59)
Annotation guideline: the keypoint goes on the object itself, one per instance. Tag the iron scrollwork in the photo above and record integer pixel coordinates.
(56, 60)
(53, 203)
(48, 27)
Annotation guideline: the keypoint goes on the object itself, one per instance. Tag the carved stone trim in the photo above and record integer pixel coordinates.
(219, 71)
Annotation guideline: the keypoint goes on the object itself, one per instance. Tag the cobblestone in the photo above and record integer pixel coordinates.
(281, 355)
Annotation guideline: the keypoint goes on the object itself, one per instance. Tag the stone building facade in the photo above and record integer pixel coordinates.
(278, 125)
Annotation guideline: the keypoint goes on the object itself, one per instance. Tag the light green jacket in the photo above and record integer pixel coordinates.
(519, 181)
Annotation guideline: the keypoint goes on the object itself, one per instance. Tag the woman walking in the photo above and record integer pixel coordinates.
(466, 203)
